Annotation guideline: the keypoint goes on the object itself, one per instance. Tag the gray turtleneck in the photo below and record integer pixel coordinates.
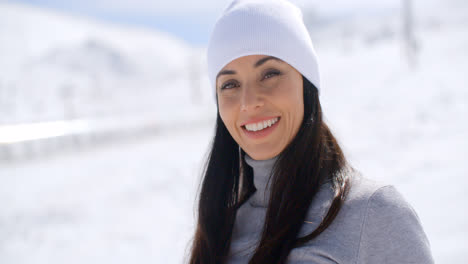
(375, 225)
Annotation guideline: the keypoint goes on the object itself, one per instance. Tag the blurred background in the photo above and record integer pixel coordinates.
(106, 115)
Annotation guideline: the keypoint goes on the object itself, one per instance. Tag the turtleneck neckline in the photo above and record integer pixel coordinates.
(262, 170)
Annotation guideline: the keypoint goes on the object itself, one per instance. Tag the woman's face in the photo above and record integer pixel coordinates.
(260, 101)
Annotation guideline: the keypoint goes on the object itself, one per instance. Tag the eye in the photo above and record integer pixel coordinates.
(229, 85)
(271, 73)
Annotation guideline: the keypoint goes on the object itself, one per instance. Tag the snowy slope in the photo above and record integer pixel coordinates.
(55, 66)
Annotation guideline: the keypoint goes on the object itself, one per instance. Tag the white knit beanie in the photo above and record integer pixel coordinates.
(262, 27)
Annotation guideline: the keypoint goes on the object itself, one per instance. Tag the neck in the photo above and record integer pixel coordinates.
(262, 172)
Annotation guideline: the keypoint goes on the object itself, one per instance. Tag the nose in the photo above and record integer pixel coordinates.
(250, 99)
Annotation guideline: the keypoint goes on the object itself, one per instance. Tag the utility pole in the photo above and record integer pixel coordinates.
(409, 40)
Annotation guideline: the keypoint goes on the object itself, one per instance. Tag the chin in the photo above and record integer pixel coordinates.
(262, 156)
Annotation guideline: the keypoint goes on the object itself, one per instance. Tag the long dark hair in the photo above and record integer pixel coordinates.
(312, 158)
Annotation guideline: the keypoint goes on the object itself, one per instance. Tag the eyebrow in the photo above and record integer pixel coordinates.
(257, 64)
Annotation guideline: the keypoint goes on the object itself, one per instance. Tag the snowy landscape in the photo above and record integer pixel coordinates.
(399, 114)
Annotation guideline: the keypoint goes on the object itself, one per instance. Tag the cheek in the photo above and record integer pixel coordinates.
(290, 97)
(228, 114)
(296, 113)
(298, 110)
(292, 102)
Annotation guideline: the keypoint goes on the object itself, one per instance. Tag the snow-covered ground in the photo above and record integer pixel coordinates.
(133, 201)
(128, 203)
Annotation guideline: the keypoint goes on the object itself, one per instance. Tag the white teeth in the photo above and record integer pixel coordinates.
(261, 125)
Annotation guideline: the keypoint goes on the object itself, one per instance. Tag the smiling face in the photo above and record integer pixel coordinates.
(260, 100)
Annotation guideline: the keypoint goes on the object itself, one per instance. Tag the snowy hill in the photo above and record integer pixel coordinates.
(347, 24)
(86, 68)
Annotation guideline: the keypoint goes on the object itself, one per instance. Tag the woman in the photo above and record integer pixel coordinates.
(277, 187)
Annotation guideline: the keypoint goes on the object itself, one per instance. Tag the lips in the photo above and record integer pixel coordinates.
(261, 125)
(260, 128)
